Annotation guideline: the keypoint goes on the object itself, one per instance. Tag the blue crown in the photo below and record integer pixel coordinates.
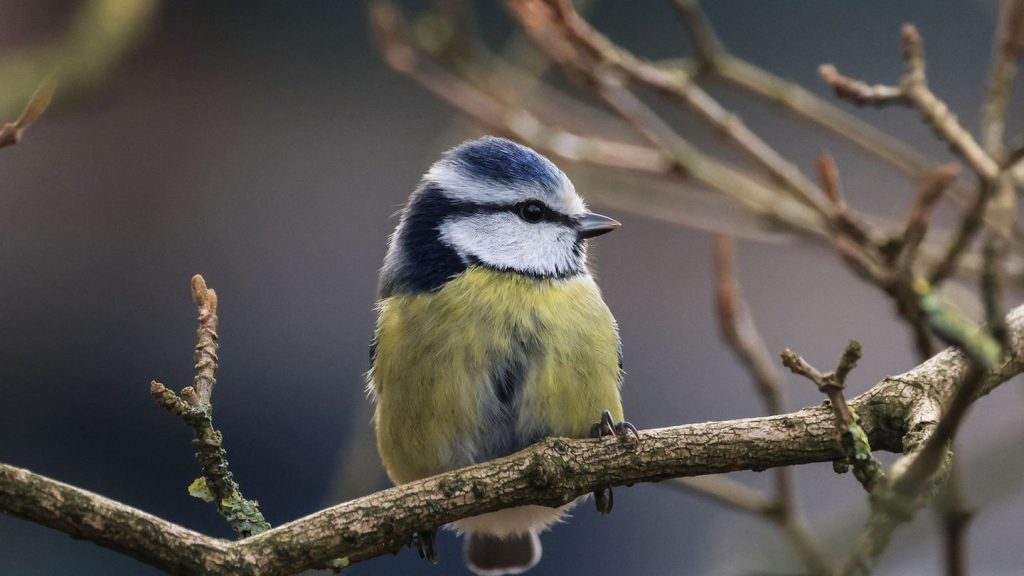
(504, 161)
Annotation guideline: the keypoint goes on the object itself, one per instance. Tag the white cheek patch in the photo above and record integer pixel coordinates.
(464, 187)
(505, 241)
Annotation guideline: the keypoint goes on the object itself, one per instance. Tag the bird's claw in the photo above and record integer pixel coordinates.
(604, 499)
(607, 426)
(424, 543)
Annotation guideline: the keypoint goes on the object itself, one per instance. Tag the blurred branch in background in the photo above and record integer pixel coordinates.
(99, 35)
(12, 132)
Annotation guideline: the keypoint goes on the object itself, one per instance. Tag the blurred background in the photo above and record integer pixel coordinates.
(267, 146)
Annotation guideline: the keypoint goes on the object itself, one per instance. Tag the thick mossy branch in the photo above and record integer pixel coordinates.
(899, 410)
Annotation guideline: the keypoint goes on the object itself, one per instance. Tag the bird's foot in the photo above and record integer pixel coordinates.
(424, 543)
(604, 499)
(606, 426)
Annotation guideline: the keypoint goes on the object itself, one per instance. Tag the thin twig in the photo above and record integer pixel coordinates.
(955, 517)
(676, 85)
(1003, 212)
(206, 358)
(739, 331)
(844, 223)
(913, 90)
(12, 132)
(935, 111)
(928, 194)
(859, 92)
(1006, 55)
(194, 407)
(705, 40)
(993, 285)
(729, 492)
(902, 274)
(716, 60)
(971, 222)
(854, 441)
(393, 38)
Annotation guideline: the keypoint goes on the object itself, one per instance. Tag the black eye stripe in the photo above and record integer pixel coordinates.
(458, 209)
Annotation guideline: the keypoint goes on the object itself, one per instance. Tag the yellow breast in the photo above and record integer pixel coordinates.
(440, 357)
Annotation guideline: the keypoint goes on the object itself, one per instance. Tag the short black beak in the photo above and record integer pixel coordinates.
(591, 225)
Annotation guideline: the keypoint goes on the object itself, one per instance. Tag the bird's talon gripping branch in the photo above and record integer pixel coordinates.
(607, 426)
(604, 500)
(424, 543)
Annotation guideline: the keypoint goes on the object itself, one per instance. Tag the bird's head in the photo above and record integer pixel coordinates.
(493, 203)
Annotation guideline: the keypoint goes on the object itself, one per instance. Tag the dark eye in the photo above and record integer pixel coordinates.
(532, 211)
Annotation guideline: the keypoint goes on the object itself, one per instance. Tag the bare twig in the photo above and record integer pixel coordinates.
(390, 30)
(970, 222)
(913, 90)
(1006, 55)
(539, 21)
(993, 285)
(193, 406)
(955, 516)
(928, 194)
(902, 275)
(98, 36)
(12, 132)
(854, 441)
(731, 493)
(675, 84)
(860, 92)
(935, 111)
(828, 175)
(715, 59)
(737, 327)
(705, 40)
(868, 255)
(206, 358)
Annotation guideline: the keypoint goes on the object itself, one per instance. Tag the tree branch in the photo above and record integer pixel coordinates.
(676, 85)
(551, 473)
(736, 324)
(913, 90)
(217, 484)
(1006, 55)
(715, 60)
(11, 132)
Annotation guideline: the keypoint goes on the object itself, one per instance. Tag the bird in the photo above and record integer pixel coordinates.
(492, 334)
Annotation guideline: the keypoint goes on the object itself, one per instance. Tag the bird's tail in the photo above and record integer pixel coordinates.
(489, 555)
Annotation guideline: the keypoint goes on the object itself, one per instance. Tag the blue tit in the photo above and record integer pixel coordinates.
(491, 333)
